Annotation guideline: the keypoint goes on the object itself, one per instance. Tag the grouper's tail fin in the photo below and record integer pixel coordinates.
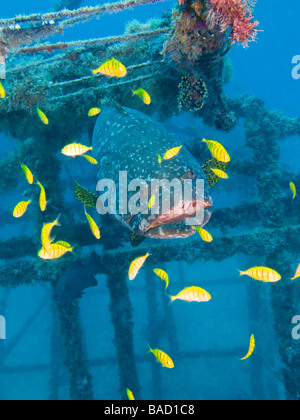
(212, 178)
(88, 198)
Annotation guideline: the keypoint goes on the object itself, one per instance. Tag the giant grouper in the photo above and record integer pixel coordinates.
(126, 140)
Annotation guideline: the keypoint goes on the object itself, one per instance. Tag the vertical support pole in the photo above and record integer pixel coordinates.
(55, 357)
(169, 317)
(152, 305)
(75, 358)
(121, 317)
(256, 314)
(262, 137)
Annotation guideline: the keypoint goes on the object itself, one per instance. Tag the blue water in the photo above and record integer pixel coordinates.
(211, 337)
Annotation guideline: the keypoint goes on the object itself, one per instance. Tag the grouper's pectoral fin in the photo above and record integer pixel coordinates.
(85, 196)
(212, 178)
(136, 239)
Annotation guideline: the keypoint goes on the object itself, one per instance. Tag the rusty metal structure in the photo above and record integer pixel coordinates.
(181, 61)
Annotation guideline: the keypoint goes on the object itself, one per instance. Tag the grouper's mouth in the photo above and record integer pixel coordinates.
(174, 223)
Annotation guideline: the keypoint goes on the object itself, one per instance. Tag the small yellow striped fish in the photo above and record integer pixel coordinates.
(293, 189)
(297, 275)
(143, 95)
(204, 235)
(94, 111)
(46, 240)
(251, 348)
(27, 174)
(152, 201)
(94, 228)
(217, 151)
(43, 200)
(21, 208)
(219, 173)
(75, 149)
(54, 252)
(64, 244)
(90, 159)
(170, 154)
(135, 266)
(192, 294)
(163, 275)
(130, 395)
(112, 68)
(2, 91)
(162, 358)
(264, 274)
(159, 159)
(42, 116)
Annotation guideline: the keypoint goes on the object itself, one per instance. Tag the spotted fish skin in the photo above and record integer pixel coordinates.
(128, 140)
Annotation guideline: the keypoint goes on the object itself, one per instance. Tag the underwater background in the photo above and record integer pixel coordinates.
(68, 337)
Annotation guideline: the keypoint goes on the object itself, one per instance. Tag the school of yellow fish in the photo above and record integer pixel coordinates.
(194, 293)
(50, 250)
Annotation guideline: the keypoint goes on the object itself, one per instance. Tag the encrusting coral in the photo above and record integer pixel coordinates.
(233, 15)
(192, 93)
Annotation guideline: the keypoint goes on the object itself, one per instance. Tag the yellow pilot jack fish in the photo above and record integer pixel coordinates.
(43, 200)
(94, 111)
(75, 149)
(251, 348)
(130, 395)
(42, 117)
(293, 189)
(94, 228)
(162, 358)
(2, 91)
(217, 151)
(204, 235)
(267, 275)
(297, 275)
(170, 154)
(27, 173)
(135, 266)
(21, 208)
(64, 244)
(163, 275)
(54, 251)
(46, 239)
(143, 95)
(152, 201)
(90, 159)
(113, 68)
(192, 294)
(220, 173)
